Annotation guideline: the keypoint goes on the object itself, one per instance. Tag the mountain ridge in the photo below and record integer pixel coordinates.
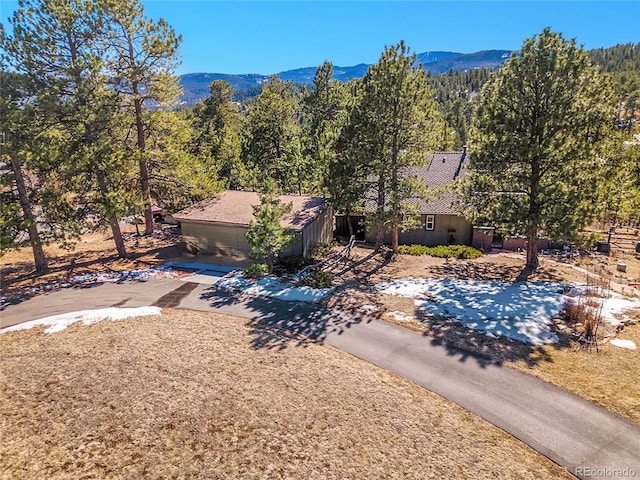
(196, 85)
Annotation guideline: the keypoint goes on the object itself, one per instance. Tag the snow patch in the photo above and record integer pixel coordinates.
(273, 288)
(399, 316)
(520, 311)
(57, 323)
(618, 342)
(368, 308)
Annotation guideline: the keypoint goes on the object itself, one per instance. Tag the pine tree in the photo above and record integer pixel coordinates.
(272, 152)
(59, 46)
(395, 124)
(538, 129)
(619, 181)
(180, 177)
(349, 170)
(217, 133)
(16, 191)
(265, 233)
(143, 55)
(324, 113)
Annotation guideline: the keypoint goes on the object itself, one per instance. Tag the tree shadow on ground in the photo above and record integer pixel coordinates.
(471, 270)
(96, 261)
(382, 260)
(20, 282)
(358, 292)
(275, 324)
(470, 344)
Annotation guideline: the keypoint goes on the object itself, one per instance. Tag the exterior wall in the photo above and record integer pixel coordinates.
(216, 239)
(444, 227)
(482, 238)
(318, 231)
(220, 239)
(520, 243)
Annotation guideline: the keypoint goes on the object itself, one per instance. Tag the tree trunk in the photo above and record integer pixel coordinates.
(144, 168)
(394, 241)
(142, 147)
(350, 225)
(395, 193)
(379, 237)
(39, 260)
(380, 212)
(532, 247)
(112, 219)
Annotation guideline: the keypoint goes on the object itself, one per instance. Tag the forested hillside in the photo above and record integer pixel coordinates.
(622, 64)
(92, 135)
(247, 85)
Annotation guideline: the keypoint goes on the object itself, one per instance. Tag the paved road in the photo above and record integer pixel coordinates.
(586, 439)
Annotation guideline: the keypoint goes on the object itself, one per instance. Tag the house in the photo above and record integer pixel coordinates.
(440, 222)
(218, 225)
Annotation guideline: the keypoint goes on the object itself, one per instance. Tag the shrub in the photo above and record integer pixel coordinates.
(317, 279)
(256, 270)
(294, 263)
(441, 251)
(322, 250)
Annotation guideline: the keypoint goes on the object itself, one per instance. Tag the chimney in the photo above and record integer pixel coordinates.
(464, 152)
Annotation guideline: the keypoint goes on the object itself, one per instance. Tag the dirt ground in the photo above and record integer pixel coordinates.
(94, 253)
(191, 395)
(609, 377)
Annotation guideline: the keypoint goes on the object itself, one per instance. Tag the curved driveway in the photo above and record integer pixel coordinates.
(588, 440)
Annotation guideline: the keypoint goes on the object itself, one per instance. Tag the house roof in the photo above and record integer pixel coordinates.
(236, 208)
(441, 170)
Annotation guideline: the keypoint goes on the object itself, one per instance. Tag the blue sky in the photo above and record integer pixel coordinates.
(268, 37)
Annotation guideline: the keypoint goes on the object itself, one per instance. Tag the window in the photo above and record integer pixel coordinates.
(430, 222)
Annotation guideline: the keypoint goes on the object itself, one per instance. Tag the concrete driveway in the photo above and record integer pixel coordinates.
(588, 440)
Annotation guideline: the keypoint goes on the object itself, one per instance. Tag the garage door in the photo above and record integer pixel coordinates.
(216, 239)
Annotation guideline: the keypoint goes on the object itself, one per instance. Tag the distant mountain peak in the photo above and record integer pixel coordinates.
(196, 85)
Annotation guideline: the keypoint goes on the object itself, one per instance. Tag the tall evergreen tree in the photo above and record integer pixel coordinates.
(395, 123)
(324, 111)
(179, 177)
(17, 202)
(143, 55)
(619, 181)
(272, 150)
(218, 127)
(59, 45)
(538, 129)
(349, 170)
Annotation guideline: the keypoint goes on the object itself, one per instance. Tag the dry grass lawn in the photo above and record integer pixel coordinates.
(185, 395)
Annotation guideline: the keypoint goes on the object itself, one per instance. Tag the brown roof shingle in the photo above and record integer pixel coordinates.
(236, 208)
(441, 170)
